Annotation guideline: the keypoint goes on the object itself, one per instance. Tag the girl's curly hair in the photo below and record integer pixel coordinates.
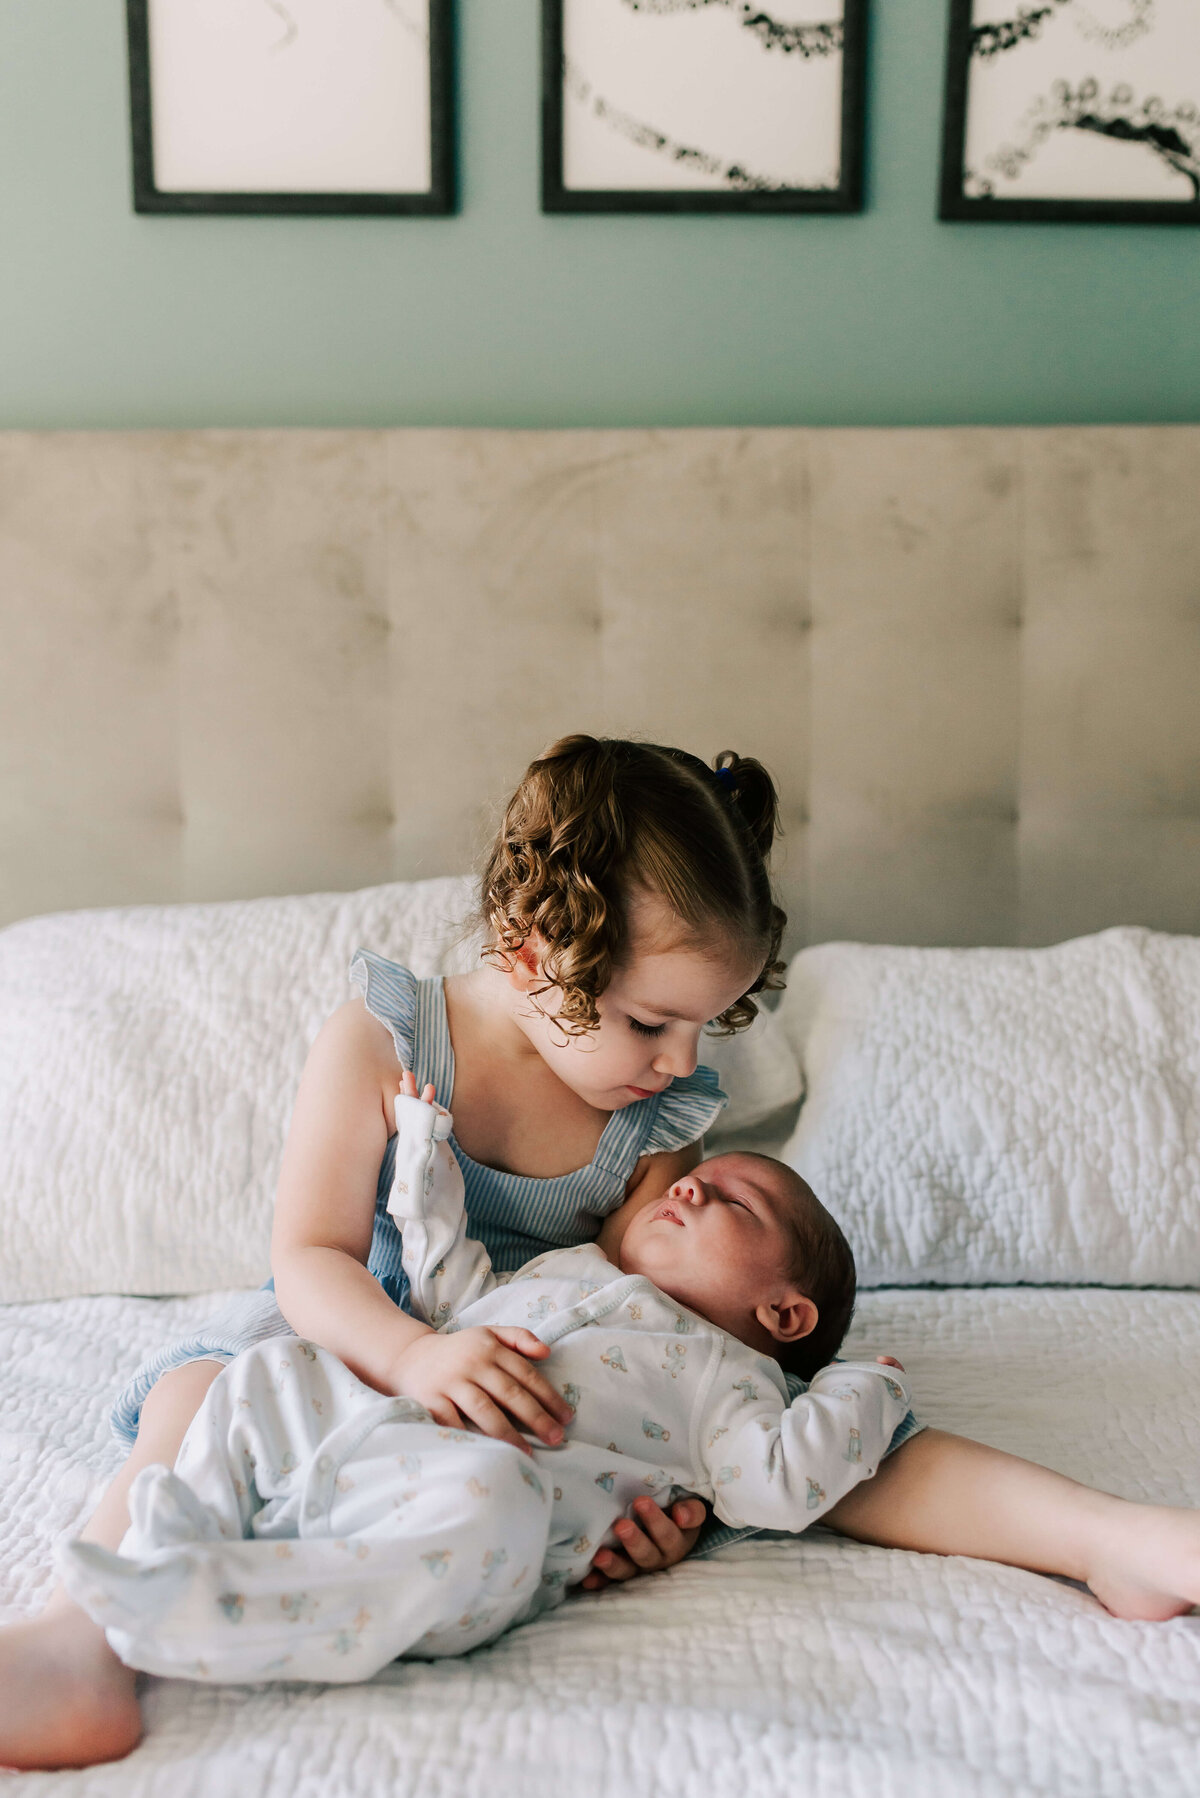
(594, 821)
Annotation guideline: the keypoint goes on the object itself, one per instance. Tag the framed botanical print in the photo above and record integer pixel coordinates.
(702, 105)
(1073, 109)
(291, 106)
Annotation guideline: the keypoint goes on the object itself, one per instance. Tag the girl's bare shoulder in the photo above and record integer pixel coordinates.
(352, 1027)
(353, 1051)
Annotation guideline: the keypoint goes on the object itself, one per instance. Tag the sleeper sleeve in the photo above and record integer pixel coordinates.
(774, 1465)
(680, 1115)
(446, 1268)
(389, 993)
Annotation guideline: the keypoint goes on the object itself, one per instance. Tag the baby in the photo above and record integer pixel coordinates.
(314, 1529)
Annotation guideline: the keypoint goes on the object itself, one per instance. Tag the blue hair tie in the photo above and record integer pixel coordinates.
(725, 776)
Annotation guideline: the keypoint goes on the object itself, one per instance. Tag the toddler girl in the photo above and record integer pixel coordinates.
(626, 904)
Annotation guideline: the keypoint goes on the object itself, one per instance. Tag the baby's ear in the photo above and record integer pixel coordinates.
(790, 1318)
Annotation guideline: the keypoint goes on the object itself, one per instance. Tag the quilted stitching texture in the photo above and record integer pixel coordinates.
(1005, 1114)
(778, 1668)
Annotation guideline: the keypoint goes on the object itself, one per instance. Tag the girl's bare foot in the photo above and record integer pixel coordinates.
(1147, 1563)
(65, 1698)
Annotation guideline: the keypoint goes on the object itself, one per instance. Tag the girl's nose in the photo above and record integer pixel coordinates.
(678, 1059)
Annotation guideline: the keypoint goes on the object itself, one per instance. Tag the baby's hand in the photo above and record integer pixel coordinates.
(483, 1376)
(408, 1086)
(889, 1361)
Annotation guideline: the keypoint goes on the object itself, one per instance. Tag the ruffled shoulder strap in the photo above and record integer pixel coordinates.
(390, 994)
(684, 1112)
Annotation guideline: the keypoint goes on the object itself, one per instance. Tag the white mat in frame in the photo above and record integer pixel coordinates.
(1085, 109)
(702, 104)
(290, 105)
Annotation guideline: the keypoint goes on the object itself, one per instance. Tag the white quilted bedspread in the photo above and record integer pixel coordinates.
(778, 1668)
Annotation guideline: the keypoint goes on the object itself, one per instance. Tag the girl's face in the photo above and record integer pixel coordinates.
(651, 1015)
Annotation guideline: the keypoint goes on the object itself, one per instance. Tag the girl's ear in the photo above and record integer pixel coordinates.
(525, 964)
(790, 1318)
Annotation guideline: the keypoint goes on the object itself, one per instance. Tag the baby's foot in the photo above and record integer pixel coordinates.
(65, 1698)
(1148, 1564)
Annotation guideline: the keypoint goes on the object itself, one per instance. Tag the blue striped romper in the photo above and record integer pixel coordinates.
(516, 1217)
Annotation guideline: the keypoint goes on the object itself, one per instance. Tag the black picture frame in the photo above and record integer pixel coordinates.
(956, 206)
(439, 199)
(847, 197)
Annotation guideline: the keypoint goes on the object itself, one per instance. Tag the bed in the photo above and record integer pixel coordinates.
(973, 659)
(775, 1667)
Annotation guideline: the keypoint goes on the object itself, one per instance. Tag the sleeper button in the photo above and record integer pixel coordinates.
(324, 1464)
(312, 1509)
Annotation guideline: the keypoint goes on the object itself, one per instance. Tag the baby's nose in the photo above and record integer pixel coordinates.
(689, 1191)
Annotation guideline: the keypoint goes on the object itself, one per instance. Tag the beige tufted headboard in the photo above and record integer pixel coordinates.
(251, 662)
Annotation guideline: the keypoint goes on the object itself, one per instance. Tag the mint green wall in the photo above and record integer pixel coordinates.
(503, 317)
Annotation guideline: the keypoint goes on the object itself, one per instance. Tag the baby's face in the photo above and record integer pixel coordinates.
(718, 1241)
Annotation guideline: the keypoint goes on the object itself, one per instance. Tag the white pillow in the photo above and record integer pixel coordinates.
(1005, 1115)
(149, 1058)
(758, 1070)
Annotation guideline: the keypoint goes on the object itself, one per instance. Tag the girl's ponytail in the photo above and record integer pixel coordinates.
(751, 791)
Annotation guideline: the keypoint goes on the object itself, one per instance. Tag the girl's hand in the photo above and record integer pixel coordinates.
(656, 1540)
(483, 1376)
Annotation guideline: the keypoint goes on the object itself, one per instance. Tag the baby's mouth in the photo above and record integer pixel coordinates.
(669, 1214)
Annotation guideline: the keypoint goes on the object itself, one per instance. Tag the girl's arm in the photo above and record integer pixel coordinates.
(325, 1205)
(324, 1217)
